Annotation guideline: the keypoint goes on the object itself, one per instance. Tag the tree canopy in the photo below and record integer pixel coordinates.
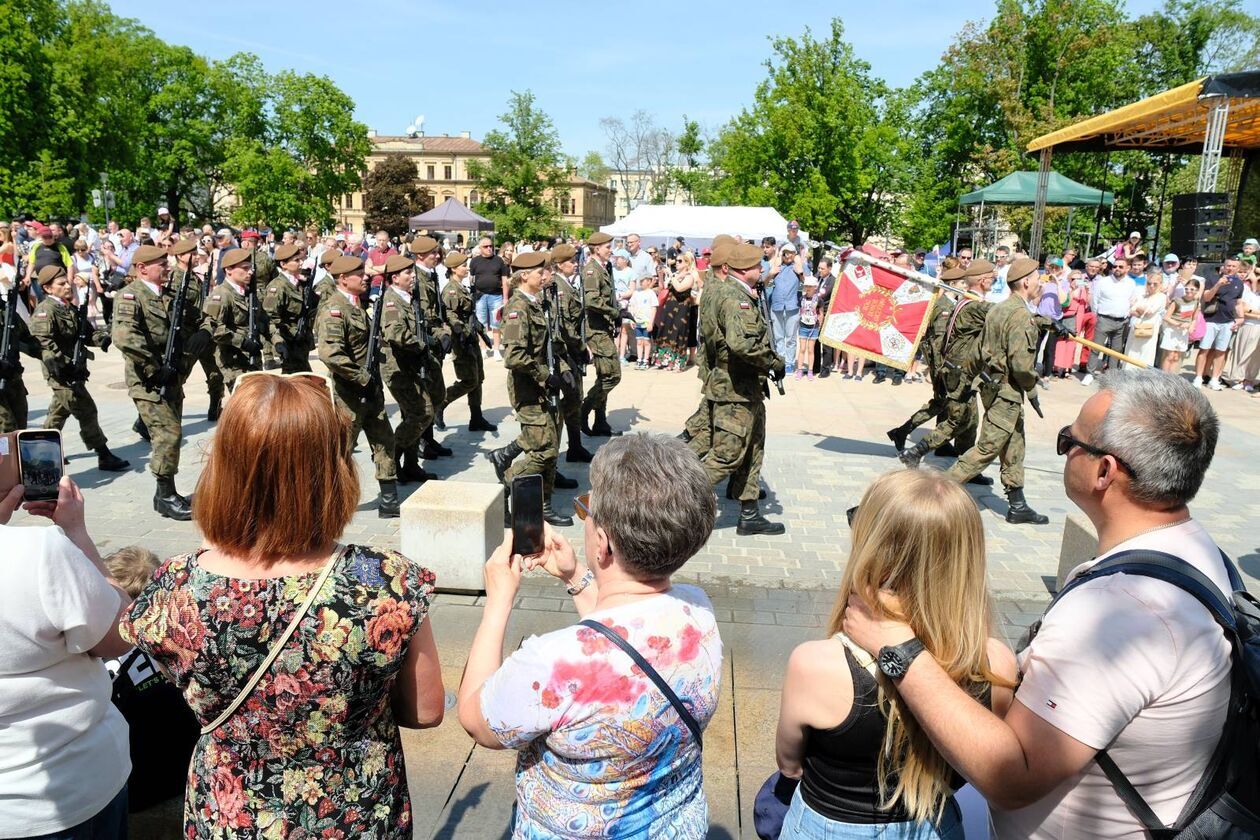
(392, 195)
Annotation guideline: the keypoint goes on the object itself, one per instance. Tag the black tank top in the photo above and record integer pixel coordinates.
(840, 779)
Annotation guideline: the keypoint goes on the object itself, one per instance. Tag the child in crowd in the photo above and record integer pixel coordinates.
(1178, 321)
(643, 305)
(807, 336)
(162, 729)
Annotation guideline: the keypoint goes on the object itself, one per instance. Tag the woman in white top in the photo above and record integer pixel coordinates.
(84, 270)
(1178, 321)
(1145, 318)
(1243, 369)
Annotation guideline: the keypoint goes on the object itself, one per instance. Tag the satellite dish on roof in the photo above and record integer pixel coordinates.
(416, 127)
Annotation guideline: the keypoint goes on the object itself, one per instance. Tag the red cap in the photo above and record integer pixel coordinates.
(249, 234)
(704, 252)
(40, 228)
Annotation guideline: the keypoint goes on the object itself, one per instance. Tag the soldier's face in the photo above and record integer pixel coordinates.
(355, 283)
(603, 252)
(238, 274)
(532, 280)
(567, 268)
(61, 288)
(292, 266)
(403, 280)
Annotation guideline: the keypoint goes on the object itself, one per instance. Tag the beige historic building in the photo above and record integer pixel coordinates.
(442, 163)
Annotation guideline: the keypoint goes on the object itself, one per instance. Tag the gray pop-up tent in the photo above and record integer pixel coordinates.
(450, 215)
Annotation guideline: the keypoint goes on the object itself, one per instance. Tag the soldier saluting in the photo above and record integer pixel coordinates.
(603, 320)
(282, 302)
(343, 332)
(56, 325)
(461, 313)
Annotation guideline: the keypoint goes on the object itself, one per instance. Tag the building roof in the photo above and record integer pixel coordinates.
(428, 143)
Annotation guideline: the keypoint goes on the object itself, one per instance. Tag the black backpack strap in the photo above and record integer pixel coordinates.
(652, 674)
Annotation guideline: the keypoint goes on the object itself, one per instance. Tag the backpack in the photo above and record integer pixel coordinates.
(1225, 805)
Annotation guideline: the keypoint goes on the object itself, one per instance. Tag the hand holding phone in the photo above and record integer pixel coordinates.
(40, 462)
(527, 515)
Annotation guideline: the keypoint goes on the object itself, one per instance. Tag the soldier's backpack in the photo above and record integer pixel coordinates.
(1225, 804)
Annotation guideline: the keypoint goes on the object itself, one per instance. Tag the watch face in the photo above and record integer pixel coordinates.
(892, 663)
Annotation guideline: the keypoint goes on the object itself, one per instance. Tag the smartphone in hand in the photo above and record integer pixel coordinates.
(527, 515)
(40, 463)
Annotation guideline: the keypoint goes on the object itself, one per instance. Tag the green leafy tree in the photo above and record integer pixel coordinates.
(593, 168)
(391, 195)
(524, 170)
(687, 172)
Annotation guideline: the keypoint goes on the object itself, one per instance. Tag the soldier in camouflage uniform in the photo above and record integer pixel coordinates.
(698, 431)
(737, 342)
(572, 323)
(603, 321)
(13, 406)
(264, 271)
(143, 312)
(524, 329)
(405, 364)
(1007, 352)
(283, 304)
(461, 319)
(227, 313)
(343, 330)
(55, 325)
(427, 256)
(327, 283)
(183, 251)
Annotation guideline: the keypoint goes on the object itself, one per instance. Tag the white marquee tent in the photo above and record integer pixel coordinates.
(695, 224)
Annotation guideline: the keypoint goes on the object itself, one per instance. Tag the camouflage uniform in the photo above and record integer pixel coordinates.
(343, 329)
(13, 405)
(466, 356)
(264, 268)
(524, 331)
(55, 325)
(570, 323)
(931, 347)
(958, 348)
(227, 313)
(404, 367)
(434, 384)
(603, 319)
(699, 427)
(282, 303)
(209, 364)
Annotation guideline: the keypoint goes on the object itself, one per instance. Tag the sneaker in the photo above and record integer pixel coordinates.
(1249, 388)
(498, 357)
(811, 376)
(1237, 386)
(1087, 379)
(800, 374)
(789, 370)
(1215, 385)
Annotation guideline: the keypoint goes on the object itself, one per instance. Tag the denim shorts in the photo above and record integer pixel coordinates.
(486, 306)
(809, 332)
(804, 823)
(642, 332)
(1216, 336)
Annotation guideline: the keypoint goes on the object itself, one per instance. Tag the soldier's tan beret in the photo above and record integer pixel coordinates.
(422, 245)
(723, 238)
(326, 258)
(287, 252)
(599, 238)
(345, 265)
(744, 256)
(1020, 269)
(721, 254)
(528, 260)
(183, 246)
(398, 262)
(979, 268)
(49, 273)
(955, 273)
(147, 254)
(455, 259)
(234, 257)
(563, 252)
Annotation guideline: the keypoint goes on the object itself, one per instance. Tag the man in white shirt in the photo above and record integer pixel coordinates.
(1002, 264)
(1111, 298)
(1125, 663)
(641, 261)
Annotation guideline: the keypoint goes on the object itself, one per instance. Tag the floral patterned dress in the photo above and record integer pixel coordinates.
(314, 752)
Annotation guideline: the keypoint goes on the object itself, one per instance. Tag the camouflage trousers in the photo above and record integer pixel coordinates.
(76, 402)
(214, 376)
(434, 386)
(571, 404)
(1001, 436)
(369, 417)
(539, 441)
(932, 409)
(699, 429)
(470, 372)
(414, 406)
(739, 443)
(961, 417)
(164, 419)
(607, 373)
(13, 408)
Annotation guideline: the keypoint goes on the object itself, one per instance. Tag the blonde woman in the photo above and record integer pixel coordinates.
(865, 767)
(673, 319)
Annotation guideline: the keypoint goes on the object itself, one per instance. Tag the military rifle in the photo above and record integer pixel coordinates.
(424, 338)
(169, 371)
(7, 345)
(372, 361)
(83, 337)
(251, 321)
(306, 315)
(763, 303)
(553, 398)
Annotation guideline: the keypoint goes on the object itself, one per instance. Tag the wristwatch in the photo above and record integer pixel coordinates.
(582, 583)
(895, 660)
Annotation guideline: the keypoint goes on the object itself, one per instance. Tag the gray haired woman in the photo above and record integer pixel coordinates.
(608, 743)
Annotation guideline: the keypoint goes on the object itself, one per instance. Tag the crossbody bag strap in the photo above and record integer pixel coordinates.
(277, 647)
(652, 674)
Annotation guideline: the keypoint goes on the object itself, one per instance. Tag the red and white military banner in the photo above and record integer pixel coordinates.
(877, 313)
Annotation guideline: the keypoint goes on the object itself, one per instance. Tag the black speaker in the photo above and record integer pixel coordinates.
(1201, 225)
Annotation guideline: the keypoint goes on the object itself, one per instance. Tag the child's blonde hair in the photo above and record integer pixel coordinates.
(132, 566)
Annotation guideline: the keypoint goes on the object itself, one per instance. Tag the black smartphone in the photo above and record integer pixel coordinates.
(40, 463)
(527, 515)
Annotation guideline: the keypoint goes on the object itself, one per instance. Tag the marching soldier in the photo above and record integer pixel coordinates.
(343, 332)
(289, 324)
(572, 324)
(142, 319)
(1007, 353)
(183, 251)
(264, 270)
(603, 320)
(425, 250)
(531, 385)
(737, 342)
(55, 325)
(327, 283)
(698, 432)
(13, 406)
(461, 319)
(227, 309)
(405, 353)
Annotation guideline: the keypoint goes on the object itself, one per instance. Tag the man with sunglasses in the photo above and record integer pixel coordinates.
(1007, 353)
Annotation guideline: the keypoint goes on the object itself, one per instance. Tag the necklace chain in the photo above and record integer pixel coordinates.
(1158, 528)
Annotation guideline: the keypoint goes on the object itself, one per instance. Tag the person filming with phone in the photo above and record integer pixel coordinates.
(607, 715)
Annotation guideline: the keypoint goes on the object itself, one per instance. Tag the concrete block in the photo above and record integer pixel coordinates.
(450, 527)
(1079, 544)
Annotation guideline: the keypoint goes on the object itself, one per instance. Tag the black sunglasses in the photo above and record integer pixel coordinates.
(1065, 442)
(850, 513)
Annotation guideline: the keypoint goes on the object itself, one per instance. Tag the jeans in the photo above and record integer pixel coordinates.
(1111, 333)
(785, 323)
(110, 823)
(804, 823)
(486, 306)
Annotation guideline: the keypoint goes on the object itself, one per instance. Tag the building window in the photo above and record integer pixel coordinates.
(430, 168)
(446, 172)
(473, 197)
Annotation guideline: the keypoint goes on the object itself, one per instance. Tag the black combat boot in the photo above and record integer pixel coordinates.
(478, 423)
(387, 503)
(946, 450)
(564, 483)
(898, 435)
(216, 407)
(433, 449)
(409, 468)
(109, 462)
(730, 491)
(553, 518)
(439, 421)
(577, 453)
(601, 428)
(167, 501)
(502, 459)
(912, 456)
(752, 522)
(1018, 512)
(981, 480)
(139, 428)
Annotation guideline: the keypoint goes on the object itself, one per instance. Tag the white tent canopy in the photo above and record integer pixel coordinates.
(656, 221)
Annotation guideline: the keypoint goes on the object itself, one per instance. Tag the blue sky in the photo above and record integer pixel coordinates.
(456, 63)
